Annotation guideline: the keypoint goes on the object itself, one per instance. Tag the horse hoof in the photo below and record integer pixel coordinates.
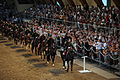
(47, 62)
(63, 67)
(66, 70)
(53, 65)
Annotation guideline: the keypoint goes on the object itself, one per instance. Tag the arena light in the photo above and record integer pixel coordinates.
(58, 3)
(104, 2)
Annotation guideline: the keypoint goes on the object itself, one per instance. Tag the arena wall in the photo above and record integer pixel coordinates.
(22, 7)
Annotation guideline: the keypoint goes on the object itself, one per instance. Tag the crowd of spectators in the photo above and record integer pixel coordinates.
(6, 11)
(106, 16)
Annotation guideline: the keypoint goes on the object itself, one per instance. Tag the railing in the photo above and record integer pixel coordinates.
(82, 25)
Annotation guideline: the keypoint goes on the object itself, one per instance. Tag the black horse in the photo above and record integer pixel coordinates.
(51, 50)
(69, 56)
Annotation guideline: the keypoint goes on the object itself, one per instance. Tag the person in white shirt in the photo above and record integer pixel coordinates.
(99, 48)
(104, 45)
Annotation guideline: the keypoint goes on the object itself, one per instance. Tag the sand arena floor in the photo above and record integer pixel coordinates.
(17, 63)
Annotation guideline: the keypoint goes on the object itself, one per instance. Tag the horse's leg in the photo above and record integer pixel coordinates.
(67, 65)
(26, 44)
(35, 50)
(53, 59)
(29, 44)
(38, 52)
(48, 58)
(63, 59)
(72, 65)
(64, 62)
(15, 41)
(21, 42)
(44, 55)
(32, 48)
(41, 53)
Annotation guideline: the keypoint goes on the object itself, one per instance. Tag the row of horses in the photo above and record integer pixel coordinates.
(44, 46)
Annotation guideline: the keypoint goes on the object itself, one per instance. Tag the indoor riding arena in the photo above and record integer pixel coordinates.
(59, 40)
